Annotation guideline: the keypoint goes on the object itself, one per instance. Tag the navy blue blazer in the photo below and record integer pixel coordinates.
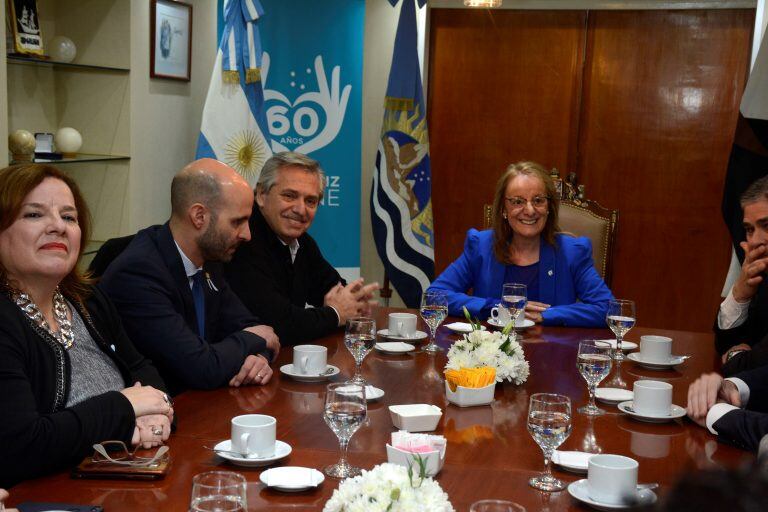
(746, 427)
(149, 286)
(568, 280)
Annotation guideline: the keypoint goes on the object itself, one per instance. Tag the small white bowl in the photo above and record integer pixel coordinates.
(415, 417)
(468, 397)
(434, 460)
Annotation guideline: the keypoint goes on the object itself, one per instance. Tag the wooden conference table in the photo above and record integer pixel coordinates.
(490, 453)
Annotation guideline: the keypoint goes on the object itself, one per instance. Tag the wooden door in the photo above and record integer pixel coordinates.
(642, 104)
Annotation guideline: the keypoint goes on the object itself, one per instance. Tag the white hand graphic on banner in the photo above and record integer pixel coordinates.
(329, 97)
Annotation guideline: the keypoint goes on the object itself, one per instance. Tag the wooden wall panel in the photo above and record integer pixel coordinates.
(642, 104)
(660, 103)
(503, 87)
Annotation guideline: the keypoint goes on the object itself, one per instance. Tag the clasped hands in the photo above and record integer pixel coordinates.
(708, 390)
(351, 300)
(533, 310)
(154, 414)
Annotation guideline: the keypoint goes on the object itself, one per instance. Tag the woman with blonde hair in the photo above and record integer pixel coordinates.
(524, 246)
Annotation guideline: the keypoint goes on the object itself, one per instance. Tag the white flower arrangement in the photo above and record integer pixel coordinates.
(391, 488)
(499, 350)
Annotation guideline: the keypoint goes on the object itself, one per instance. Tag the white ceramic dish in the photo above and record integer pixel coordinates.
(462, 327)
(287, 369)
(635, 357)
(394, 347)
(434, 460)
(282, 450)
(575, 462)
(371, 392)
(415, 417)
(519, 326)
(625, 345)
(580, 492)
(613, 396)
(418, 335)
(468, 397)
(292, 478)
(675, 413)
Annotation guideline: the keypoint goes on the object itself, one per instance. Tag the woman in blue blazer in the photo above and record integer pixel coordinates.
(524, 246)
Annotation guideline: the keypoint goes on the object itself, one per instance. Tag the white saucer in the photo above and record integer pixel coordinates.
(371, 392)
(292, 478)
(625, 345)
(282, 450)
(579, 491)
(519, 326)
(287, 369)
(576, 462)
(462, 327)
(418, 335)
(394, 347)
(635, 357)
(675, 413)
(613, 396)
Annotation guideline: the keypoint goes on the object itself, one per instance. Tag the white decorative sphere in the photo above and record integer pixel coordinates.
(68, 141)
(63, 49)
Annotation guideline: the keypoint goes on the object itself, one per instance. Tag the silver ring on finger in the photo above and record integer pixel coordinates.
(157, 431)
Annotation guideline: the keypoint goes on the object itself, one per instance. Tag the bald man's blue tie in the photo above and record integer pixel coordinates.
(198, 295)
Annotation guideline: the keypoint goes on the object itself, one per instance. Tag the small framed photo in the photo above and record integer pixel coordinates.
(170, 40)
(24, 27)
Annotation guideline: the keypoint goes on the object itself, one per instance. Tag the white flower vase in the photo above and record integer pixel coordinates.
(68, 141)
(63, 49)
(469, 397)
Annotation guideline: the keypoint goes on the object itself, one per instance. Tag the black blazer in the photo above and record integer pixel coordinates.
(148, 285)
(38, 435)
(754, 332)
(745, 428)
(262, 275)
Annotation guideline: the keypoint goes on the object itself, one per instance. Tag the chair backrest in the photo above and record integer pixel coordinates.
(582, 217)
(107, 254)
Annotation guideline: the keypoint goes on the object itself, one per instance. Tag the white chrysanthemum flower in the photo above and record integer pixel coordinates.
(484, 348)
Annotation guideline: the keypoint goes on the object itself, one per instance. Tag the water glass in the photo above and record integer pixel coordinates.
(495, 506)
(514, 297)
(218, 491)
(434, 309)
(345, 411)
(594, 364)
(620, 318)
(360, 337)
(549, 423)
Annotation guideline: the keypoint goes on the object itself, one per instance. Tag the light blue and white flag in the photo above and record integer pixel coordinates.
(401, 205)
(234, 120)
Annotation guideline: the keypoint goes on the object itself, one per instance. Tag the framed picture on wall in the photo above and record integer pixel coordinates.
(170, 45)
(24, 27)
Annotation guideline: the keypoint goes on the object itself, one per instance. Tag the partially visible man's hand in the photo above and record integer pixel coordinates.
(736, 348)
(255, 370)
(706, 391)
(752, 271)
(351, 300)
(266, 332)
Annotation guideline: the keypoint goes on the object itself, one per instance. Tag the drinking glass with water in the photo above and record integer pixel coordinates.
(434, 309)
(594, 364)
(549, 423)
(218, 491)
(345, 411)
(359, 338)
(620, 319)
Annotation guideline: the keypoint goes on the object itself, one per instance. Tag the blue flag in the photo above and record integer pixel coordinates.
(234, 122)
(401, 205)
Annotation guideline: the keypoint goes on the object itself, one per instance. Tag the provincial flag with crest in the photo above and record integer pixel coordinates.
(401, 205)
(234, 127)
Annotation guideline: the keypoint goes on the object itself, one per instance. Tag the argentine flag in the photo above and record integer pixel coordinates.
(234, 127)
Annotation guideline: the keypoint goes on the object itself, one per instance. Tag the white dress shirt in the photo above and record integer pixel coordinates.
(718, 410)
(732, 313)
(189, 267)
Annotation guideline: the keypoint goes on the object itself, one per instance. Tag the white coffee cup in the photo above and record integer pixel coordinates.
(310, 359)
(655, 349)
(500, 314)
(652, 397)
(402, 324)
(253, 435)
(612, 479)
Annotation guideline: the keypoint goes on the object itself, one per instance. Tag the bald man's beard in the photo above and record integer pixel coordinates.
(213, 244)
